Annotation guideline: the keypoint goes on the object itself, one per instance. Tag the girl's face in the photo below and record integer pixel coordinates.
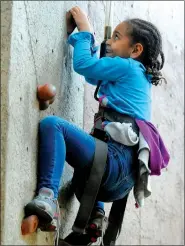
(120, 44)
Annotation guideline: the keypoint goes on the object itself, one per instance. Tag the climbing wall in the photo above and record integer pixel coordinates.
(34, 52)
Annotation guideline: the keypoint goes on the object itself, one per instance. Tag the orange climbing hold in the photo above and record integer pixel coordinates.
(29, 225)
(46, 95)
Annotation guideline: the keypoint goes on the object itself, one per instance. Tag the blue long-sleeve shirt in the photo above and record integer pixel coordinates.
(125, 86)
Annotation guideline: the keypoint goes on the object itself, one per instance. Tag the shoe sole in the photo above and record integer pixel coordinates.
(43, 215)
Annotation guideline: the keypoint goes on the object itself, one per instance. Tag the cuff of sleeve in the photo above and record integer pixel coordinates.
(94, 49)
(73, 38)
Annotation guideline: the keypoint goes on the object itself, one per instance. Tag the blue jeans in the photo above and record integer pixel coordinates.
(60, 140)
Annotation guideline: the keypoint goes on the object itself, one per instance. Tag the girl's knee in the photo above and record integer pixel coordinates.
(49, 122)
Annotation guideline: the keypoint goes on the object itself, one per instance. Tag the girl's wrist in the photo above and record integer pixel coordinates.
(84, 27)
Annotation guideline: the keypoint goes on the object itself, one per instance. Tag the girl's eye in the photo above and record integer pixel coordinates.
(116, 37)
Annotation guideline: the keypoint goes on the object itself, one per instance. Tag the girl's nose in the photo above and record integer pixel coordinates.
(108, 42)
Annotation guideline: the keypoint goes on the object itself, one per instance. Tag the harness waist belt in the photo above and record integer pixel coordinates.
(113, 116)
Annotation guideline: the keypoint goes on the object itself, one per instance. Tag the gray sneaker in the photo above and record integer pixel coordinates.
(97, 226)
(44, 205)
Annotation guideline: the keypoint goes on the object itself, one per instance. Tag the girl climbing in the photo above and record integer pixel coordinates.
(127, 72)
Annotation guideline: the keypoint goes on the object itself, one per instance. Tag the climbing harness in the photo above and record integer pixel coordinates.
(83, 233)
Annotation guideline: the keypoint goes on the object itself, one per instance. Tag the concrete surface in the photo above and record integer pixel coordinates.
(38, 54)
(34, 51)
(6, 15)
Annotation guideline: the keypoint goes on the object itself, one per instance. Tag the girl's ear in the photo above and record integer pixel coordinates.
(137, 50)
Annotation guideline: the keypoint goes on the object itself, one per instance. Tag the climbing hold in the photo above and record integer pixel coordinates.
(46, 92)
(52, 100)
(43, 105)
(46, 95)
(29, 225)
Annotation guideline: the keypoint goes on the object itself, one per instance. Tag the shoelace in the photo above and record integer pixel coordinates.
(57, 234)
(101, 238)
(104, 225)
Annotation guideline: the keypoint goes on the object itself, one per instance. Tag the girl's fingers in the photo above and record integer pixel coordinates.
(73, 12)
(76, 10)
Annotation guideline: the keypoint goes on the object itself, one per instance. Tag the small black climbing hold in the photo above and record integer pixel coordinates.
(27, 148)
(20, 98)
(52, 50)
(36, 40)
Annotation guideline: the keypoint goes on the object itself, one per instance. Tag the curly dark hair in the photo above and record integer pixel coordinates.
(148, 35)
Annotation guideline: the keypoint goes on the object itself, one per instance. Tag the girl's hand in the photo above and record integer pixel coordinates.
(70, 23)
(81, 19)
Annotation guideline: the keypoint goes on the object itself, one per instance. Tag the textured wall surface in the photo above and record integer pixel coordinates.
(161, 220)
(6, 20)
(39, 54)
